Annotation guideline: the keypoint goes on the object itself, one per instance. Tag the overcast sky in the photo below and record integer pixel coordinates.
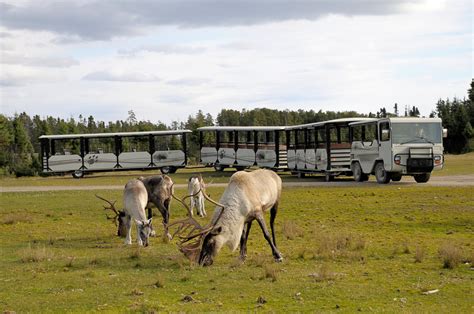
(166, 59)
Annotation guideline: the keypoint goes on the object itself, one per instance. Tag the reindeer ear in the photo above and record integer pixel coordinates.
(216, 231)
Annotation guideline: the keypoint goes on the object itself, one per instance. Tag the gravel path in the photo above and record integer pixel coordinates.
(459, 180)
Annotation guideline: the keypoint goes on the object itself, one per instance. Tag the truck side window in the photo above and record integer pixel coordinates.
(384, 131)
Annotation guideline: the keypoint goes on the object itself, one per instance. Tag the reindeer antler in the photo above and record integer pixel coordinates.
(190, 243)
(112, 208)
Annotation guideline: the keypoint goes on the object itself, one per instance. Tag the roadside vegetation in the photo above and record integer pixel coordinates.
(365, 248)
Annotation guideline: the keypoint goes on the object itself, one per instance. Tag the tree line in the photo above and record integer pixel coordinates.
(20, 146)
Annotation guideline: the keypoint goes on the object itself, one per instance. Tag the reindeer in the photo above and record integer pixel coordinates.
(195, 191)
(247, 197)
(135, 199)
(159, 188)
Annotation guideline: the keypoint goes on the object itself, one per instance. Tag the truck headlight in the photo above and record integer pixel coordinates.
(437, 160)
(397, 159)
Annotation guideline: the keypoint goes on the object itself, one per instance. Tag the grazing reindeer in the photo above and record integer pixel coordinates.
(159, 189)
(135, 199)
(247, 197)
(195, 191)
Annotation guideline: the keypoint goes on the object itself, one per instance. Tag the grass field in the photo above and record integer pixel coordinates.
(378, 248)
(369, 248)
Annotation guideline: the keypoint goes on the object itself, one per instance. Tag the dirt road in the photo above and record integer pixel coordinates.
(454, 181)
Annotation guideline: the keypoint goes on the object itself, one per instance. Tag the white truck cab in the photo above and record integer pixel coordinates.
(391, 148)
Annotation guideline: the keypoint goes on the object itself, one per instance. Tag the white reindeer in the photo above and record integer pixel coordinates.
(196, 188)
(247, 197)
(135, 199)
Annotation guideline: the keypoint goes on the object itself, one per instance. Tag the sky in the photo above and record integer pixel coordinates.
(167, 59)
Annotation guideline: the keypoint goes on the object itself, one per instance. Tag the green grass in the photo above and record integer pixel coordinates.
(457, 165)
(374, 248)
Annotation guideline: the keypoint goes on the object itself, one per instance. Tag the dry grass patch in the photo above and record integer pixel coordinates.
(323, 273)
(291, 230)
(335, 245)
(11, 219)
(450, 255)
(35, 254)
(271, 272)
(420, 253)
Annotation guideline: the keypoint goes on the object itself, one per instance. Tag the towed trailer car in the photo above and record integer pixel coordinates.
(85, 153)
(241, 147)
(321, 147)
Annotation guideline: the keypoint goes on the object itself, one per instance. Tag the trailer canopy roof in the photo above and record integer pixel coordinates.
(242, 128)
(125, 134)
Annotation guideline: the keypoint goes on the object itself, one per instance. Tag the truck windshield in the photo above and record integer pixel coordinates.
(404, 133)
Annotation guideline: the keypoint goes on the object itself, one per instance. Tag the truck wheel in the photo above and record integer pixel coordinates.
(396, 177)
(382, 176)
(78, 174)
(357, 172)
(240, 168)
(422, 177)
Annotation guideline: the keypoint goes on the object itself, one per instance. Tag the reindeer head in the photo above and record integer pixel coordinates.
(144, 230)
(211, 245)
(192, 243)
(118, 219)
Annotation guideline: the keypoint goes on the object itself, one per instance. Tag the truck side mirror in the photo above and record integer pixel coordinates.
(445, 133)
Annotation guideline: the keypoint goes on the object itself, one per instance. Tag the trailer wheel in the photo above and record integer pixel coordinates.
(422, 177)
(396, 177)
(329, 177)
(240, 168)
(382, 176)
(219, 167)
(357, 173)
(167, 170)
(78, 174)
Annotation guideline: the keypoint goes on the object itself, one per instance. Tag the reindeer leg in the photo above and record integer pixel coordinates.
(266, 234)
(193, 204)
(150, 215)
(128, 226)
(201, 202)
(243, 240)
(164, 210)
(273, 213)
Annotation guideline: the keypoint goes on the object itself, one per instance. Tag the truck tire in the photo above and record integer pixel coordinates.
(396, 177)
(422, 177)
(357, 173)
(382, 176)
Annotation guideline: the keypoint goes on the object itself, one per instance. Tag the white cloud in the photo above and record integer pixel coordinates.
(333, 62)
(120, 77)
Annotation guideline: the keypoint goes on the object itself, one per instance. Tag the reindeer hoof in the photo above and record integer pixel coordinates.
(279, 259)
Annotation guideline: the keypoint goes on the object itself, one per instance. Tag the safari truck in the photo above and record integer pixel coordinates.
(391, 148)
